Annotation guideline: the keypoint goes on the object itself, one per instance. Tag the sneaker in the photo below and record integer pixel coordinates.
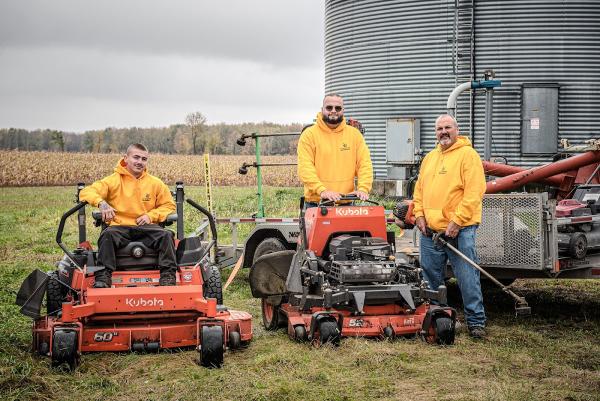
(167, 278)
(477, 332)
(103, 279)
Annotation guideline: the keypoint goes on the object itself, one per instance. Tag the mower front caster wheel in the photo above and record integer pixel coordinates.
(300, 333)
(235, 341)
(211, 346)
(441, 331)
(329, 333)
(65, 348)
(270, 315)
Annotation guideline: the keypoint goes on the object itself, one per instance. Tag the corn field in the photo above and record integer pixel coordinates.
(19, 169)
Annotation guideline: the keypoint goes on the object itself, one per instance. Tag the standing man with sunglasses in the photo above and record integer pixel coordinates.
(331, 154)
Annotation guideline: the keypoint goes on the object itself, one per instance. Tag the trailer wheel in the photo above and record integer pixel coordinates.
(65, 348)
(329, 333)
(266, 246)
(55, 295)
(270, 315)
(441, 331)
(578, 246)
(211, 346)
(212, 287)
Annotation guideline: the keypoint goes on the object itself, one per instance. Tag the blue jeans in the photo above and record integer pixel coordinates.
(433, 262)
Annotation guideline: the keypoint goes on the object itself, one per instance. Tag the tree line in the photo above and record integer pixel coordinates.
(193, 137)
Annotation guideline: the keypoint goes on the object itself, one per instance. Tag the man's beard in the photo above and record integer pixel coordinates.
(445, 140)
(330, 119)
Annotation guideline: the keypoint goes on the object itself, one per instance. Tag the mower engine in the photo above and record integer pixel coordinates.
(360, 260)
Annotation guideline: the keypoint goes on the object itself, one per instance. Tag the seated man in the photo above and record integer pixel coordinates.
(132, 203)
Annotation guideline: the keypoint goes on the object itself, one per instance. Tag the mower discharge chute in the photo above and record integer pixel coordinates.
(343, 280)
(135, 313)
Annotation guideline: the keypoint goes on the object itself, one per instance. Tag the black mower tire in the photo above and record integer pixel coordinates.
(266, 246)
(213, 287)
(270, 315)
(329, 332)
(211, 347)
(300, 333)
(235, 340)
(65, 348)
(443, 331)
(388, 333)
(578, 246)
(55, 295)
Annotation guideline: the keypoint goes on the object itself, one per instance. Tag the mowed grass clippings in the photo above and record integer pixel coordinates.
(551, 356)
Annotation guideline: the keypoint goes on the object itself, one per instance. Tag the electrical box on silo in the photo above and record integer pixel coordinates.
(539, 121)
(402, 140)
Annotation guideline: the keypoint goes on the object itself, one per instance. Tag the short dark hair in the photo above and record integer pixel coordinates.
(332, 94)
(137, 146)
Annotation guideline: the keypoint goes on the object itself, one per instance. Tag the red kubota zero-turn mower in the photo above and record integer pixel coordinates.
(343, 280)
(135, 313)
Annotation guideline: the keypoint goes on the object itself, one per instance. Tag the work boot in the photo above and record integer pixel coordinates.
(477, 332)
(103, 279)
(167, 278)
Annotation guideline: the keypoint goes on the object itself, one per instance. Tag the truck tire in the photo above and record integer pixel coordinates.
(212, 287)
(266, 246)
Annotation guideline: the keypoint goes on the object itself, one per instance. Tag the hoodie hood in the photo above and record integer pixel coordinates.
(324, 127)
(121, 168)
(460, 142)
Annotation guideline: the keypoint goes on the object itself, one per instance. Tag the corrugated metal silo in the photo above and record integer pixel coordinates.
(401, 58)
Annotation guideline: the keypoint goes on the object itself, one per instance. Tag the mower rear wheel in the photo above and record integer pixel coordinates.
(266, 246)
(211, 346)
(329, 333)
(65, 348)
(213, 287)
(55, 295)
(270, 315)
(442, 331)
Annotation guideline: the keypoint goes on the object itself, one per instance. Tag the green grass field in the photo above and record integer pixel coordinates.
(554, 355)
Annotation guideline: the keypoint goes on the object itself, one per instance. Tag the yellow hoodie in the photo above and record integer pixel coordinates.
(451, 185)
(331, 158)
(131, 197)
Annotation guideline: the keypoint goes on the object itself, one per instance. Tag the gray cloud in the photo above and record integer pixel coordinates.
(77, 65)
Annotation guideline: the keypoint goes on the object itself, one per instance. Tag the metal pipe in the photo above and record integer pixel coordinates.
(451, 104)
(261, 207)
(489, 101)
(502, 170)
(542, 172)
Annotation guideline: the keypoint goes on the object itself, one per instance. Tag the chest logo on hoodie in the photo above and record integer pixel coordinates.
(344, 147)
(146, 198)
(442, 171)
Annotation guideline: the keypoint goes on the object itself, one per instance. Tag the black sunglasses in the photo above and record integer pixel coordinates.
(337, 108)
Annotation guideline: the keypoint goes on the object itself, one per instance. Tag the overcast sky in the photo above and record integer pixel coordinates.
(76, 65)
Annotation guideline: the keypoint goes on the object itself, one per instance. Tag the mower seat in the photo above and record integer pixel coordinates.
(136, 256)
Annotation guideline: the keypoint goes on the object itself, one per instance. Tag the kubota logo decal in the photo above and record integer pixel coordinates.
(351, 211)
(135, 302)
